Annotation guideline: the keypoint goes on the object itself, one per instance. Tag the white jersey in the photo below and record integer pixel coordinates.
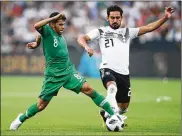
(114, 46)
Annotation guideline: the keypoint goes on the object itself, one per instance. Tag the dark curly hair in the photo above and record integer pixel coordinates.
(56, 13)
(114, 8)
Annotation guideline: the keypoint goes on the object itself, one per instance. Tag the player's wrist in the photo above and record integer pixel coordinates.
(35, 46)
(166, 17)
(86, 48)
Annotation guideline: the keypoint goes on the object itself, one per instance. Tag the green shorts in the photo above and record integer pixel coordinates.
(51, 85)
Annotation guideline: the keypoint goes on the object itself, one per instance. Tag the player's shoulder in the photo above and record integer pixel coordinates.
(100, 29)
(46, 26)
(125, 29)
(103, 27)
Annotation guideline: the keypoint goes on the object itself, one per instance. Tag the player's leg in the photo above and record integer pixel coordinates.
(34, 109)
(111, 95)
(31, 111)
(77, 83)
(49, 89)
(97, 98)
(109, 82)
(124, 93)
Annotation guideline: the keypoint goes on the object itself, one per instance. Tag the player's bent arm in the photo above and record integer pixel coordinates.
(38, 40)
(152, 26)
(82, 41)
(35, 44)
(41, 23)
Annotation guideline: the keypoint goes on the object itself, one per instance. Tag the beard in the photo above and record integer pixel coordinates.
(114, 26)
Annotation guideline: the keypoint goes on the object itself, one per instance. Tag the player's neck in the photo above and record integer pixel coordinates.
(113, 28)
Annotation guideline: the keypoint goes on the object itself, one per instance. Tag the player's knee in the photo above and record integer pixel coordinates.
(42, 105)
(86, 89)
(112, 89)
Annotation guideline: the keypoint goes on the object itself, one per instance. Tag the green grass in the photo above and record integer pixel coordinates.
(72, 114)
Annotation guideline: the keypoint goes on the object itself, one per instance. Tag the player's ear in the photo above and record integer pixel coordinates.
(52, 24)
(107, 18)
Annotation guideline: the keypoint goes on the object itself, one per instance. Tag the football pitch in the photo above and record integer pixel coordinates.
(154, 109)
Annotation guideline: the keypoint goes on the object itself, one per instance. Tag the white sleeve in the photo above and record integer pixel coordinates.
(133, 32)
(94, 34)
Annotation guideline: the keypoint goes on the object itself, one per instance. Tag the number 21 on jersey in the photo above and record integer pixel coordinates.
(109, 43)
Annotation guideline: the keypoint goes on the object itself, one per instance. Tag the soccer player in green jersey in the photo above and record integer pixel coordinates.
(59, 71)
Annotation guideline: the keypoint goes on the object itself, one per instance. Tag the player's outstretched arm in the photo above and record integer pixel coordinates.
(41, 23)
(33, 45)
(153, 26)
(82, 41)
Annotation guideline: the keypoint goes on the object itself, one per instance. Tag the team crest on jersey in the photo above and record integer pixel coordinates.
(109, 35)
(107, 73)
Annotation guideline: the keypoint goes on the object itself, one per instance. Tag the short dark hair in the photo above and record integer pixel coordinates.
(56, 13)
(114, 8)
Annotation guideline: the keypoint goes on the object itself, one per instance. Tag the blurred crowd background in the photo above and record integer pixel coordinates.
(18, 19)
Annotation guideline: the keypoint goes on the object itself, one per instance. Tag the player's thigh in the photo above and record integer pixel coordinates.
(50, 87)
(124, 92)
(75, 82)
(106, 76)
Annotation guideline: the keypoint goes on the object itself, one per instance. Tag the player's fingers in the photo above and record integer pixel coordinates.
(28, 44)
(169, 7)
(62, 15)
(166, 8)
(90, 54)
(30, 47)
(172, 10)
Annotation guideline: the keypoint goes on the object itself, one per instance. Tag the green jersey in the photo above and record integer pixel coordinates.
(57, 61)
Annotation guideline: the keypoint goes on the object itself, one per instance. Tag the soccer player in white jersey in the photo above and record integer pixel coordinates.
(114, 43)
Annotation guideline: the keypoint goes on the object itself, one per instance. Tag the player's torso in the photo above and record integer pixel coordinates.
(55, 46)
(114, 45)
(56, 55)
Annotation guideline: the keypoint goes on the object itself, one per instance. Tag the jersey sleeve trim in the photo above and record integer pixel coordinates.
(94, 34)
(43, 30)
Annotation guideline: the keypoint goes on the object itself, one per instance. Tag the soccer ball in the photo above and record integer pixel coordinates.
(114, 123)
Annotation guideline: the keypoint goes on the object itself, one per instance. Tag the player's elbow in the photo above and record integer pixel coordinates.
(80, 39)
(83, 38)
(144, 30)
(36, 26)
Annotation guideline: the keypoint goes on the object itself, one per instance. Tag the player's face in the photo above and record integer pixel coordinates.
(114, 19)
(59, 26)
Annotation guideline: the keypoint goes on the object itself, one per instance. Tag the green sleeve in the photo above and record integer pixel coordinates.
(44, 30)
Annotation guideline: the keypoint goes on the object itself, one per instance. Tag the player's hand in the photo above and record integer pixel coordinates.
(32, 45)
(60, 15)
(168, 12)
(90, 51)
